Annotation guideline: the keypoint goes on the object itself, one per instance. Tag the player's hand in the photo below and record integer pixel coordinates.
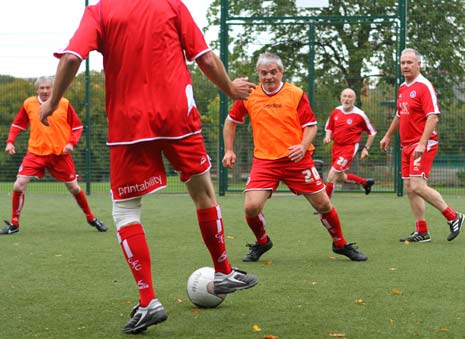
(326, 140)
(10, 148)
(229, 159)
(364, 153)
(68, 149)
(241, 88)
(419, 151)
(296, 152)
(46, 109)
(384, 143)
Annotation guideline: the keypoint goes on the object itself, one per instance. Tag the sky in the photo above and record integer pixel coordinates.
(31, 30)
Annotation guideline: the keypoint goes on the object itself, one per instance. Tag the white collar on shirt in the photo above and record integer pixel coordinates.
(275, 91)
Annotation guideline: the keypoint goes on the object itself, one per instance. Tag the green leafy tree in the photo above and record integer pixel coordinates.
(347, 50)
(356, 48)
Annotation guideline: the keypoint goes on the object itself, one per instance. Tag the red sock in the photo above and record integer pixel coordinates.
(134, 245)
(257, 225)
(329, 189)
(352, 178)
(421, 226)
(449, 213)
(331, 222)
(211, 227)
(82, 202)
(17, 203)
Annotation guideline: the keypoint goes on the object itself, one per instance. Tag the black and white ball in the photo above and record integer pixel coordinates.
(200, 288)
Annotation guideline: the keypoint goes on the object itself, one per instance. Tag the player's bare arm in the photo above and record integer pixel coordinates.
(384, 143)
(430, 126)
(66, 71)
(214, 70)
(297, 152)
(229, 133)
(366, 149)
(327, 138)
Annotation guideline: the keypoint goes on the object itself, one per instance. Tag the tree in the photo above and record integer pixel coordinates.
(347, 50)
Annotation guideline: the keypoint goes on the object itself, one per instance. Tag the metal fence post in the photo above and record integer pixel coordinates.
(223, 172)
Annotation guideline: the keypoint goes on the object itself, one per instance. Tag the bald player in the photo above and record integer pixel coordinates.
(345, 127)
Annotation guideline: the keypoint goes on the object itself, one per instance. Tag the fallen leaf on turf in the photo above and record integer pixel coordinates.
(196, 310)
(269, 336)
(332, 258)
(443, 329)
(230, 237)
(179, 300)
(393, 269)
(396, 292)
(406, 242)
(337, 335)
(313, 283)
(268, 262)
(360, 302)
(256, 328)
(391, 321)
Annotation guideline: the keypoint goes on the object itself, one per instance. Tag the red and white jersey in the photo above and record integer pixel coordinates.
(347, 127)
(144, 45)
(415, 101)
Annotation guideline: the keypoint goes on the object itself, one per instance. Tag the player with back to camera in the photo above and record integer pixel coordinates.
(345, 126)
(283, 127)
(416, 119)
(151, 112)
(49, 148)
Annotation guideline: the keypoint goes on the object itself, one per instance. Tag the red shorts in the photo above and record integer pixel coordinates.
(61, 167)
(138, 169)
(301, 177)
(421, 166)
(342, 156)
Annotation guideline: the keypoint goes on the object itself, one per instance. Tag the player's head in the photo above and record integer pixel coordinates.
(348, 97)
(410, 63)
(44, 87)
(270, 71)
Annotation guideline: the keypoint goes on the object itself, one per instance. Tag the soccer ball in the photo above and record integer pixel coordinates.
(200, 288)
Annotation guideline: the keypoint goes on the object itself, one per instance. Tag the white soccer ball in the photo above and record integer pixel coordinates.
(200, 288)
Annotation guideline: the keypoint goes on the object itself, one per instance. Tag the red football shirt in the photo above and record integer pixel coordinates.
(415, 101)
(144, 45)
(347, 127)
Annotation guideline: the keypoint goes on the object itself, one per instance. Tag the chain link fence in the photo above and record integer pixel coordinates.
(91, 156)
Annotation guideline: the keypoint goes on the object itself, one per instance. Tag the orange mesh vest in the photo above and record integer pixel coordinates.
(46, 140)
(275, 121)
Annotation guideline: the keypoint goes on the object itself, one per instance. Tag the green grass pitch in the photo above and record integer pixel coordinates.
(61, 278)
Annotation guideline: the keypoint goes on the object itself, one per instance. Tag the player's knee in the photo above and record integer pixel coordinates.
(74, 189)
(320, 202)
(127, 212)
(252, 209)
(20, 185)
(416, 187)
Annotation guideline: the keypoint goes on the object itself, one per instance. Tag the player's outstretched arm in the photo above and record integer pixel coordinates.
(384, 143)
(366, 148)
(66, 71)
(327, 138)
(214, 70)
(229, 133)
